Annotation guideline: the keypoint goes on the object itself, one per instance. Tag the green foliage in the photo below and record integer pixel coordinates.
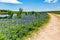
(37, 14)
(19, 13)
(26, 13)
(33, 12)
(16, 29)
(56, 12)
(10, 13)
(0, 11)
(15, 32)
(20, 10)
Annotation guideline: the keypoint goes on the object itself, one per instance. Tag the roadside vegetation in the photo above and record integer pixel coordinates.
(55, 12)
(20, 26)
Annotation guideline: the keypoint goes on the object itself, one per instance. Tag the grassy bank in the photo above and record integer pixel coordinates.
(17, 29)
(42, 23)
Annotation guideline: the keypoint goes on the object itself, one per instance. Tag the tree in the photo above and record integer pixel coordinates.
(10, 13)
(32, 12)
(0, 11)
(20, 10)
(26, 13)
(19, 13)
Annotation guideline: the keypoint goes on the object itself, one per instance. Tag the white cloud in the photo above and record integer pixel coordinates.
(11, 1)
(53, 1)
(49, 1)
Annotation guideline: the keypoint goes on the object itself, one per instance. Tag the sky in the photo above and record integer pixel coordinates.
(30, 5)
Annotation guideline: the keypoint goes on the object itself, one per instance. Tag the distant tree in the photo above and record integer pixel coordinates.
(20, 12)
(0, 11)
(18, 15)
(32, 12)
(26, 13)
(10, 13)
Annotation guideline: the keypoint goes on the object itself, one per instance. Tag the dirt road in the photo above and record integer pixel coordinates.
(51, 30)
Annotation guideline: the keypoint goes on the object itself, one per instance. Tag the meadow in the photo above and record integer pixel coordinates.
(16, 26)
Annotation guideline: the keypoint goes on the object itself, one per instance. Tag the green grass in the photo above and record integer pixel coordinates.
(11, 31)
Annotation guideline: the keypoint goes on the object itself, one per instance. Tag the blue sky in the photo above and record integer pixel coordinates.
(30, 5)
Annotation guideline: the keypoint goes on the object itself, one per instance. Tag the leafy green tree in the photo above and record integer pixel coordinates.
(10, 13)
(20, 10)
(19, 13)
